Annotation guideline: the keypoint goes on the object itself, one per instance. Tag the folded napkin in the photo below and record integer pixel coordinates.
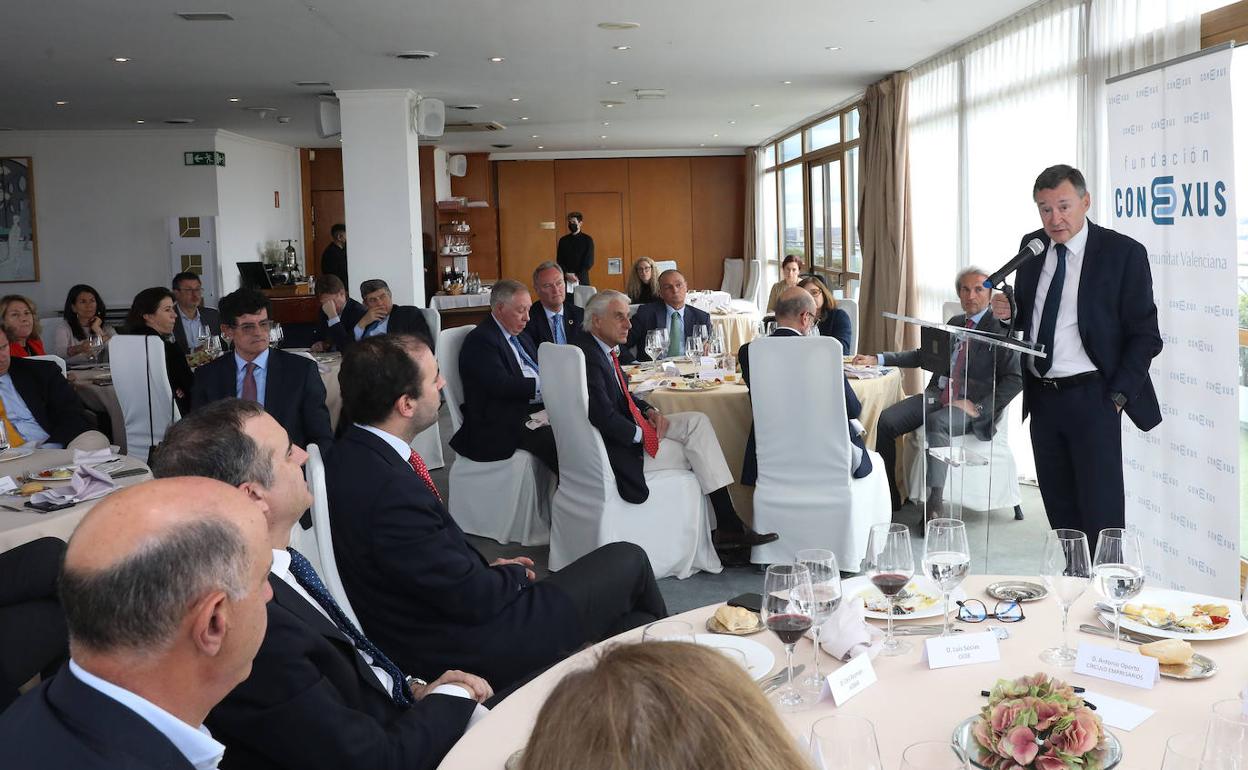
(87, 484)
(647, 386)
(847, 634)
(92, 456)
(538, 420)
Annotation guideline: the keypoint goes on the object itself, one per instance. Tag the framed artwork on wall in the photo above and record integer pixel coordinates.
(19, 242)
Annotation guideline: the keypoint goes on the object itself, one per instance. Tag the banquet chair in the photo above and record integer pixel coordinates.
(850, 306)
(428, 443)
(50, 327)
(734, 274)
(327, 567)
(673, 526)
(54, 359)
(581, 295)
(752, 282)
(505, 500)
(143, 390)
(805, 491)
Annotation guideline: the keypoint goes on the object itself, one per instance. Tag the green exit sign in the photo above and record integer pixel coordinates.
(207, 158)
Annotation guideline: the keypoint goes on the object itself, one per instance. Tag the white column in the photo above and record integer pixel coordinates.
(381, 191)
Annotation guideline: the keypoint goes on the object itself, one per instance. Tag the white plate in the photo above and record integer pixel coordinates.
(16, 453)
(854, 586)
(1180, 603)
(758, 659)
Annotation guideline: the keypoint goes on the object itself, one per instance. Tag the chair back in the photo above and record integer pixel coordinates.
(433, 319)
(54, 359)
(315, 470)
(582, 294)
(850, 306)
(734, 275)
(428, 443)
(143, 390)
(585, 474)
(451, 342)
(50, 334)
(949, 310)
(752, 281)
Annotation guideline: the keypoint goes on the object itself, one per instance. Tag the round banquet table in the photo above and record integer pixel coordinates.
(22, 527)
(910, 703)
(737, 328)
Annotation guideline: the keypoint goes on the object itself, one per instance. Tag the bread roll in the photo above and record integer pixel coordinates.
(736, 618)
(1168, 651)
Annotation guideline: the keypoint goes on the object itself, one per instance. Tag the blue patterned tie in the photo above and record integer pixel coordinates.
(1048, 319)
(515, 343)
(306, 576)
(372, 327)
(557, 327)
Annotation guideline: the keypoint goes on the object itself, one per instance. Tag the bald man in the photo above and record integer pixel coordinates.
(164, 588)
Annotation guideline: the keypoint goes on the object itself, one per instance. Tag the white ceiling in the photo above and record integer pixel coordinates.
(714, 58)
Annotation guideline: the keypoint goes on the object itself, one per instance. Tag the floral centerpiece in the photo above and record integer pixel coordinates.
(1038, 723)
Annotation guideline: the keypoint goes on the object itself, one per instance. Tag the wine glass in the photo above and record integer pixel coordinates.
(201, 338)
(693, 349)
(786, 591)
(890, 565)
(667, 631)
(1184, 752)
(933, 755)
(94, 345)
(275, 335)
(1066, 572)
(1226, 743)
(1119, 571)
(946, 557)
(825, 583)
(844, 742)
(701, 331)
(656, 344)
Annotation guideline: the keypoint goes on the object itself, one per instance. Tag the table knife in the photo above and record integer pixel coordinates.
(774, 683)
(923, 630)
(127, 473)
(1127, 636)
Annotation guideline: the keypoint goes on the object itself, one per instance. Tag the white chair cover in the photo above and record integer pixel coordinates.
(734, 277)
(54, 359)
(666, 264)
(324, 537)
(581, 295)
(752, 282)
(142, 386)
(673, 526)
(507, 500)
(428, 443)
(49, 334)
(805, 491)
(850, 307)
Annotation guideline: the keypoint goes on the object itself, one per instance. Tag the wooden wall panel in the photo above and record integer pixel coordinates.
(428, 207)
(1227, 23)
(325, 171)
(718, 216)
(660, 198)
(526, 198)
(478, 185)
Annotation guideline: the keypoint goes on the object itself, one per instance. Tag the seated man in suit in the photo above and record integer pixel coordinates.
(640, 439)
(671, 314)
(164, 586)
(39, 405)
(338, 315)
(502, 384)
(33, 637)
(287, 385)
(962, 402)
(315, 668)
(188, 291)
(795, 314)
(382, 316)
(556, 319)
(428, 597)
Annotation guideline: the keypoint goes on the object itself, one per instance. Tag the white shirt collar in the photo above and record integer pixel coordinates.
(195, 743)
(187, 317)
(506, 334)
(792, 329)
(552, 313)
(1078, 242)
(281, 563)
(606, 349)
(261, 362)
(398, 444)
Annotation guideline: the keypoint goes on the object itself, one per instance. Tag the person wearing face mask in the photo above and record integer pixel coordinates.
(576, 251)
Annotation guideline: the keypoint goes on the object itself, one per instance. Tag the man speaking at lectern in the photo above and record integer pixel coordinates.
(1088, 300)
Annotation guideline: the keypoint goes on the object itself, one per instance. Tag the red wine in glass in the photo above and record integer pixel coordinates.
(890, 584)
(789, 627)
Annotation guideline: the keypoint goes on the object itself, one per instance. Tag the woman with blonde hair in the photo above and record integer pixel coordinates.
(830, 320)
(642, 285)
(660, 706)
(21, 325)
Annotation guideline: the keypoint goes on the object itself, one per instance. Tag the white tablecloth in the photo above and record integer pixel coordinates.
(709, 300)
(448, 301)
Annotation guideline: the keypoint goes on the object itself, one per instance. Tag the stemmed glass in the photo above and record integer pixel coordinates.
(933, 755)
(701, 331)
(94, 345)
(844, 743)
(1226, 743)
(825, 584)
(890, 565)
(275, 335)
(656, 345)
(946, 557)
(786, 594)
(1119, 571)
(201, 339)
(1066, 572)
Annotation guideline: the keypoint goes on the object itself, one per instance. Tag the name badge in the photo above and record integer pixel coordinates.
(7, 484)
(849, 680)
(962, 650)
(1118, 666)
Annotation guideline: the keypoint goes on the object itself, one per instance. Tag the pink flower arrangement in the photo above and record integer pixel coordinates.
(1038, 723)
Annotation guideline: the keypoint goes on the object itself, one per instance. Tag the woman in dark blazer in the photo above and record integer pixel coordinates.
(830, 320)
(152, 313)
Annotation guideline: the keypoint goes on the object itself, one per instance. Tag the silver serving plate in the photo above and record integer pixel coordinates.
(963, 738)
(1017, 590)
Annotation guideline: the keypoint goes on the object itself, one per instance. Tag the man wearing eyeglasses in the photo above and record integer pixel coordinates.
(288, 386)
(188, 292)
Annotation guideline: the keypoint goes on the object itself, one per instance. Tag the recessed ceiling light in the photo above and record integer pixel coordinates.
(621, 47)
(714, 136)
(534, 136)
(756, 106)
(515, 98)
(606, 122)
(870, 21)
(540, 147)
(140, 122)
(702, 144)
(465, 106)
(121, 59)
(604, 136)
(732, 122)
(204, 16)
(618, 25)
(614, 82)
(416, 55)
(314, 84)
(524, 118)
(497, 59)
(61, 103)
(831, 48)
(786, 82)
(180, 121)
(235, 99)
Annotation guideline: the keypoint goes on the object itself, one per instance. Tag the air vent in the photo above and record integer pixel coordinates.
(179, 121)
(500, 146)
(465, 106)
(465, 127)
(644, 94)
(205, 16)
(314, 84)
(416, 55)
(618, 25)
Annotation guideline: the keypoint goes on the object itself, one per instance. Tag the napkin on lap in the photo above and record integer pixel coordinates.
(87, 484)
(847, 634)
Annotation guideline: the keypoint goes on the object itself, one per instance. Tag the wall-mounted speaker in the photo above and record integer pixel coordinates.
(457, 165)
(328, 118)
(430, 117)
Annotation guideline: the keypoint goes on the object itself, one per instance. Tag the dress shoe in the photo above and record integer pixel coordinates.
(746, 538)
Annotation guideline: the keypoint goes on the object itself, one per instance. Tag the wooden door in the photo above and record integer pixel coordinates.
(604, 222)
(328, 210)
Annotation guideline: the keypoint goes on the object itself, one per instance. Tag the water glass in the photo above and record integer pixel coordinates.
(1066, 572)
(1226, 744)
(946, 557)
(667, 631)
(656, 344)
(844, 743)
(275, 335)
(825, 583)
(1118, 570)
(933, 755)
(1184, 752)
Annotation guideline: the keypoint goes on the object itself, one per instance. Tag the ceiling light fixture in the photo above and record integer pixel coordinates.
(756, 106)
(786, 82)
(524, 118)
(235, 99)
(314, 84)
(621, 47)
(540, 147)
(732, 122)
(140, 122)
(534, 136)
(515, 98)
(714, 136)
(497, 59)
(618, 25)
(606, 122)
(614, 82)
(831, 48)
(204, 16)
(121, 59)
(61, 103)
(416, 55)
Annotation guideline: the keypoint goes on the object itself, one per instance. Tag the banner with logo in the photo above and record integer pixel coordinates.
(1172, 173)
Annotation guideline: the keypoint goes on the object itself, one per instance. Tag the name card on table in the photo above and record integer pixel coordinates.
(7, 484)
(711, 374)
(1117, 713)
(1118, 666)
(849, 680)
(962, 650)
(707, 362)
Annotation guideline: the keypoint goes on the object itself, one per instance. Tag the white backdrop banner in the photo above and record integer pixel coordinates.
(1172, 174)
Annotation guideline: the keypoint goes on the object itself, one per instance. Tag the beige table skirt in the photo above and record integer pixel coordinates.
(100, 398)
(737, 328)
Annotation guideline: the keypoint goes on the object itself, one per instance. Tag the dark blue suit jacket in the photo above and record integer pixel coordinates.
(50, 398)
(538, 329)
(293, 394)
(63, 723)
(653, 315)
(422, 593)
(1117, 317)
(312, 702)
(496, 394)
(609, 413)
(837, 324)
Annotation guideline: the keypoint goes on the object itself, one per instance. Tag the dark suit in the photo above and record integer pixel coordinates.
(340, 335)
(33, 636)
(208, 316)
(403, 319)
(853, 408)
(431, 601)
(334, 262)
(653, 315)
(1075, 430)
(497, 399)
(312, 702)
(63, 723)
(538, 329)
(50, 399)
(575, 254)
(293, 393)
(837, 324)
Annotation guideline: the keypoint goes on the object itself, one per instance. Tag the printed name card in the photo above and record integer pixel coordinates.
(1118, 666)
(707, 362)
(962, 650)
(710, 374)
(849, 680)
(7, 484)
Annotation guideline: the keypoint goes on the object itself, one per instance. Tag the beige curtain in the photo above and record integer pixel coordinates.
(884, 221)
(752, 247)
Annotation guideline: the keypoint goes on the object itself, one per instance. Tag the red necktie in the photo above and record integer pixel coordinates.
(249, 382)
(958, 376)
(649, 437)
(418, 465)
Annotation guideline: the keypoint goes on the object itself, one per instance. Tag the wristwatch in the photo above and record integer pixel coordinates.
(414, 681)
(1119, 399)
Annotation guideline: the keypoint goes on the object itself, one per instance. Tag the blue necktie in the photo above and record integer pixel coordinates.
(372, 327)
(1048, 320)
(515, 343)
(306, 576)
(556, 325)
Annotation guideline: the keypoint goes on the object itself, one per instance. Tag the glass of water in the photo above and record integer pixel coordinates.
(1066, 572)
(946, 557)
(656, 344)
(1118, 571)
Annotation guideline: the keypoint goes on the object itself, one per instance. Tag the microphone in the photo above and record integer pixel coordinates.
(1034, 248)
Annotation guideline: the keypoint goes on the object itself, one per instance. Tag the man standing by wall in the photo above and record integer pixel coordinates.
(576, 251)
(334, 257)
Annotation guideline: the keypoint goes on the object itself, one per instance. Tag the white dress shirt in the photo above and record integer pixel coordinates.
(190, 325)
(609, 351)
(379, 329)
(525, 369)
(550, 322)
(260, 375)
(195, 743)
(1070, 358)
